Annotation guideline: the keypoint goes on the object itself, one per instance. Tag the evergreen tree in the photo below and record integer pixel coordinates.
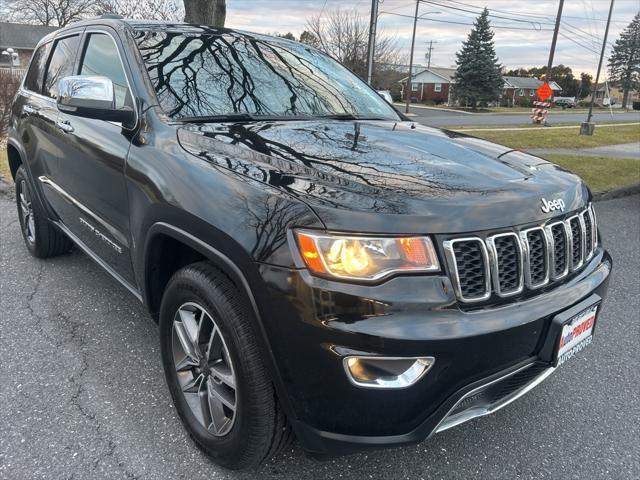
(478, 76)
(624, 62)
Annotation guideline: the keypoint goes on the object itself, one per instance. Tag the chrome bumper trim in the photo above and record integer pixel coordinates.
(480, 411)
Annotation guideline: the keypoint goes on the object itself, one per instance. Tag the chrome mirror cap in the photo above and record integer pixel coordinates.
(79, 91)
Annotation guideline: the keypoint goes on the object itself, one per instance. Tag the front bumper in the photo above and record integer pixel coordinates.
(312, 324)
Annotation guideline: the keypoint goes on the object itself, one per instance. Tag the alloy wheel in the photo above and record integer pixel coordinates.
(26, 213)
(204, 369)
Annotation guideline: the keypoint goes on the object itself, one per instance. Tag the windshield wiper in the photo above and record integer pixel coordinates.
(350, 116)
(239, 117)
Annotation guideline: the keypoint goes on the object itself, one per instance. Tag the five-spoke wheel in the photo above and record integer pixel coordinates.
(25, 208)
(204, 368)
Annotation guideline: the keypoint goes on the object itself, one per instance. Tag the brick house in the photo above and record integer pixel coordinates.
(23, 39)
(521, 91)
(431, 84)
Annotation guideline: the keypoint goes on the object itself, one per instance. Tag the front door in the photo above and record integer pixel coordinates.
(90, 171)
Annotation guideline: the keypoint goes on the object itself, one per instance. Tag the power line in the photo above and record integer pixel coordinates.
(469, 24)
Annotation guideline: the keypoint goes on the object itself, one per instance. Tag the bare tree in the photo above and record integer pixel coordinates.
(169, 10)
(344, 34)
(54, 13)
(205, 12)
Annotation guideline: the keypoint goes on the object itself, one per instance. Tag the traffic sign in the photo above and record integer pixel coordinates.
(544, 91)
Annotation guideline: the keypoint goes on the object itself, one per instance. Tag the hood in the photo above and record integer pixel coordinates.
(389, 176)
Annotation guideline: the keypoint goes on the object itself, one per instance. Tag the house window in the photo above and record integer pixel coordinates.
(414, 87)
(437, 87)
(521, 92)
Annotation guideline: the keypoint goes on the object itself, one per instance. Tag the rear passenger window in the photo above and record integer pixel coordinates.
(101, 58)
(33, 80)
(61, 63)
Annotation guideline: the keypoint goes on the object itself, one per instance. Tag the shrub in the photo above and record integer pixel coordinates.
(9, 84)
(635, 105)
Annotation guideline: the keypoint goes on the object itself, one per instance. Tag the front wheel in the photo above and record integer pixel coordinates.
(216, 376)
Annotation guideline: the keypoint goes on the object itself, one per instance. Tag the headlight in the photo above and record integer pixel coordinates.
(365, 258)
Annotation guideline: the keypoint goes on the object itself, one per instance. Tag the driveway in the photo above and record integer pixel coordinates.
(439, 118)
(83, 394)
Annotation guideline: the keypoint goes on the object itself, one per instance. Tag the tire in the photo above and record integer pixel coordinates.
(201, 308)
(41, 237)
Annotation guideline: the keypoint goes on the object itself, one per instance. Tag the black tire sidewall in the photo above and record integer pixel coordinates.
(183, 288)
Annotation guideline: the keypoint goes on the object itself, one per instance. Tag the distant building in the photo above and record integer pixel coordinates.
(23, 39)
(614, 96)
(431, 84)
(522, 90)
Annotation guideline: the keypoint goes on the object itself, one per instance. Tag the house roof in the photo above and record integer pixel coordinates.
(444, 73)
(527, 82)
(18, 35)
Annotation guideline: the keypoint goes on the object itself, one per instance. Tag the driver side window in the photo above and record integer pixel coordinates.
(101, 58)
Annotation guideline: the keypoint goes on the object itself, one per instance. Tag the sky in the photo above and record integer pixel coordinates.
(524, 43)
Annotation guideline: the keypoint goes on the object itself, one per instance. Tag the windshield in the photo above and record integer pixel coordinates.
(208, 74)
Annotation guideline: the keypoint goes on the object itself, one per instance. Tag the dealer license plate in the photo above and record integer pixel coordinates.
(576, 334)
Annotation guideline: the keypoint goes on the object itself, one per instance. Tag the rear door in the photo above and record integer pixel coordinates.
(90, 170)
(45, 152)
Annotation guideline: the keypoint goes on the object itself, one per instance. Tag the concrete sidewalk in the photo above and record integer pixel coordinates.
(623, 150)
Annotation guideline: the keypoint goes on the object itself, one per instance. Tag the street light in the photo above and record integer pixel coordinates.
(12, 54)
(413, 42)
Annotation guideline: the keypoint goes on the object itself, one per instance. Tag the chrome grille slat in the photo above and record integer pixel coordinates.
(536, 263)
(506, 274)
(506, 263)
(458, 279)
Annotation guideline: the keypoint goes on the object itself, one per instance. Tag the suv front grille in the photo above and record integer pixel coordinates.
(506, 263)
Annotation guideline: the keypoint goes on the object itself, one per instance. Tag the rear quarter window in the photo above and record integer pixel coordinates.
(35, 74)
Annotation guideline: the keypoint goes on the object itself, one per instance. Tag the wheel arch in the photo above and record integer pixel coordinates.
(227, 266)
(14, 157)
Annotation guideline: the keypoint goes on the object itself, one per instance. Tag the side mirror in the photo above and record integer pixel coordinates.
(91, 97)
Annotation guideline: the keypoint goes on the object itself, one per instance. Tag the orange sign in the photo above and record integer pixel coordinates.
(544, 92)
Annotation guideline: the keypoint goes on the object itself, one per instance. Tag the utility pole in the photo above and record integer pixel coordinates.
(555, 39)
(587, 127)
(413, 44)
(430, 50)
(371, 49)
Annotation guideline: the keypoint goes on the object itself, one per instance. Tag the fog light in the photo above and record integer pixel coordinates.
(386, 372)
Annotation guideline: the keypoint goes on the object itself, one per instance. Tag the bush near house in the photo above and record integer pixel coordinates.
(9, 84)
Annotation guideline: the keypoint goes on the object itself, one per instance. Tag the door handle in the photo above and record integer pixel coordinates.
(64, 126)
(28, 110)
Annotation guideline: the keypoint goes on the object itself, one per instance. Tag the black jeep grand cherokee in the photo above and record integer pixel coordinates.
(318, 263)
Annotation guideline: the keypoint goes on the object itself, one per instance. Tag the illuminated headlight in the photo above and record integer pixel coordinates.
(365, 258)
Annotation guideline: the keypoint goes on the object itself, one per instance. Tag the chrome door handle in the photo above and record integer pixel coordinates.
(65, 127)
(29, 110)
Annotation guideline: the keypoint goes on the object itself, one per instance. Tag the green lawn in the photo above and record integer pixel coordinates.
(600, 173)
(543, 137)
(4, 166)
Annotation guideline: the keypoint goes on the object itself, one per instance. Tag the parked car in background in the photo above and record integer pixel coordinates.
(565, 102)
(319, 265)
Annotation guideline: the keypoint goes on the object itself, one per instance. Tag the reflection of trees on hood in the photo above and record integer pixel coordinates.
(347, 156)
(219, 71)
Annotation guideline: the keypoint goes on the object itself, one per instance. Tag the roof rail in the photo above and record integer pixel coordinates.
(114, 16)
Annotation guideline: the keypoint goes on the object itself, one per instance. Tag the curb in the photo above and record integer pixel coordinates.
(617, 193)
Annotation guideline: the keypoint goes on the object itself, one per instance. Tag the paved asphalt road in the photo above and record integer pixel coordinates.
(439, 118)
(83, 394)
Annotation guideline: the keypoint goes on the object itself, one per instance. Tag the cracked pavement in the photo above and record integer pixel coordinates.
(83, 393)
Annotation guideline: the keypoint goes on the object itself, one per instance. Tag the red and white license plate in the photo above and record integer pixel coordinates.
(577, 334)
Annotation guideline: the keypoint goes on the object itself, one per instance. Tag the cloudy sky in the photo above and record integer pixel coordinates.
(522, 36)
